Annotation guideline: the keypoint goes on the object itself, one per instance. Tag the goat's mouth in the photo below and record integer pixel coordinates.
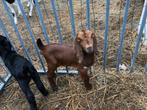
(89, 50)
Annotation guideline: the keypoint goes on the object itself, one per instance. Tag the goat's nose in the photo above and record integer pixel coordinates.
(90, 49)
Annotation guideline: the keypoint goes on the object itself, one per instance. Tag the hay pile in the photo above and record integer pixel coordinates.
(110, 91)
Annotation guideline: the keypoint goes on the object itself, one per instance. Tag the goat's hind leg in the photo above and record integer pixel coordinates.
(13, 12)
(31, 7)
(36, 78)
(24, 85)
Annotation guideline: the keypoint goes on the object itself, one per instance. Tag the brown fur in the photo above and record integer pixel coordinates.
(79, 55)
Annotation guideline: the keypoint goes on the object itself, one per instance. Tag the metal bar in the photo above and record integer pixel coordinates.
(7, 79)
(3, 81)
(51, 28)
(145, 68)
(3, 28)
(145, 27)
(45, 8)
(16, 30)
(81, 16)
(93, 11)
(133, 11)
(72, 19)
(57, 21)
(88, 14)
(5, 32)
(141, 18)
(139, 37)
(60, 72)
(41, 22)
(106, 34)
(119, 53)
(31, 33)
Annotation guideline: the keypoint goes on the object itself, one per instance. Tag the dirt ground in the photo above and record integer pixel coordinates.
(110, 91)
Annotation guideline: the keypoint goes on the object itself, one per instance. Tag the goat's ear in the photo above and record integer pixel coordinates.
(94, 43)
(78, 49)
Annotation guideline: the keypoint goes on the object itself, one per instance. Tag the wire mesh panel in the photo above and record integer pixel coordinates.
(4, 75)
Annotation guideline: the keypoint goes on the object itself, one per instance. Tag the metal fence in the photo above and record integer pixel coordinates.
(57, 29)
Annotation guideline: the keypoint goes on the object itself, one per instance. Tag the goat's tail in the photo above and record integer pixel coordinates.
(40, 44)
(36, 78)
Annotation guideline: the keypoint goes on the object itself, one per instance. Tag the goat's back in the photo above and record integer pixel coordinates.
(60, 54)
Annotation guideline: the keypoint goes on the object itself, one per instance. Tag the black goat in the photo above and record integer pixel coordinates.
(22, 70)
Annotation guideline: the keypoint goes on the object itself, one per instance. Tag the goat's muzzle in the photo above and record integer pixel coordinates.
(89, 49)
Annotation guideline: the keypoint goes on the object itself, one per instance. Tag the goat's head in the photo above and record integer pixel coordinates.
(85, 41)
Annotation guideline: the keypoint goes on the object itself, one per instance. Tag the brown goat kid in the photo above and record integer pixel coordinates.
(80, 55)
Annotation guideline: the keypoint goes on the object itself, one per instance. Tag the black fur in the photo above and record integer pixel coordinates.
(22, 70)
(10, 1)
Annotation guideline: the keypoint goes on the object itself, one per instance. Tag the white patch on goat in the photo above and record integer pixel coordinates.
(28, 3)
(18, 7)
(31, 8)
(13, 12)
(85, 67)
(92, 69)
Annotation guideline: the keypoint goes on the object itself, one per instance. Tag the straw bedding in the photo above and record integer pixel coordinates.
(111, 91)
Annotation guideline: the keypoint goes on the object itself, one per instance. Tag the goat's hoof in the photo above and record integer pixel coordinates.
(88, 86)
(55, 88)
(30, 15)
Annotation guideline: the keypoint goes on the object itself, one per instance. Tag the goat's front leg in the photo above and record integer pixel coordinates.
(28, 4)
(31, 7)
(18, 7)
(52, 79)
(13, 12)
(24, 85)
(83, 73)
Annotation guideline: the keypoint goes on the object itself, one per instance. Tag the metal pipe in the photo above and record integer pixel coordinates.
(119, 53)
(57, 21)
(88, 14)
(42, 21)
(138, 40)
(31, 33)
(106, 34)
(16, 30)
(72, 19)
(145, 68)
(5, 32)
